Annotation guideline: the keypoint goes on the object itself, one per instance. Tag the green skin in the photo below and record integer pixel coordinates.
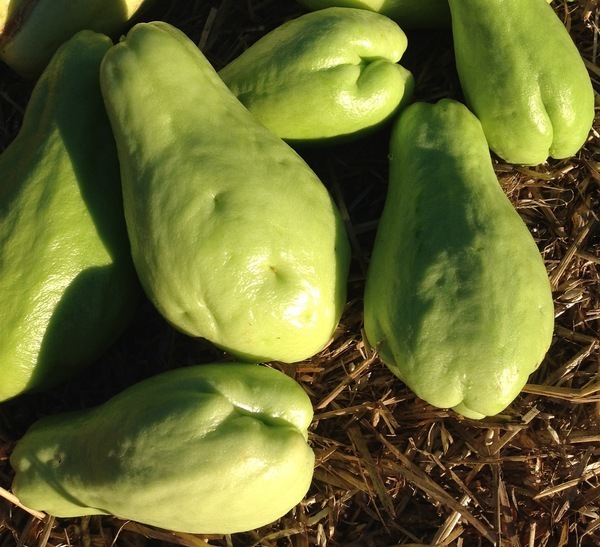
(329, 74)
(457, 298)
(409, 14)
(32, 30)
(211, 449)
(67, 283)
(523, 77)
(234, 237)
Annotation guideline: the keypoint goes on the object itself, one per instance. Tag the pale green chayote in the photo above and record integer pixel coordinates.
(234, 237)
(457, 299)
(332, 74)
(523, 77)
(217, 448)
(68, 286)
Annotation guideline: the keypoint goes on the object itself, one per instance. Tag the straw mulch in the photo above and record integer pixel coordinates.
(391, 470)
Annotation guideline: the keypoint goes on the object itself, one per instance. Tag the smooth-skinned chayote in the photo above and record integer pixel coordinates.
(32, 30)
(67, 283)
(214, 449)
(234, 237)
(524, 78)
(457, 299)
(328, 74)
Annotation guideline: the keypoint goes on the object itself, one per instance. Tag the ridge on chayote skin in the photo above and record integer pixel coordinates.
(234, 237)
(457, 299)
(67, 283)
(409, 14)
(523, 77)
(328, 74)
(213, 449)
(32, 30)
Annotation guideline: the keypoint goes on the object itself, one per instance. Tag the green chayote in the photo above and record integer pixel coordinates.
(217, 448)
(457, 299)
(523, 77)
(67, 283)
(235, 239)
(32, 30)
(328, 74)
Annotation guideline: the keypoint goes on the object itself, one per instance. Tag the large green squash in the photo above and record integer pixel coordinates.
(67, 283)
(523, 77)
(234, 237)
(213, 449)
(457, 300)
(327, 75)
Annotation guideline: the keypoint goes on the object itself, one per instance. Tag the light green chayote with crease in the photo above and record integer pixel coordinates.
(214, 449)
(328, 74)
(523, 77)
(235, 239)
(457, 299)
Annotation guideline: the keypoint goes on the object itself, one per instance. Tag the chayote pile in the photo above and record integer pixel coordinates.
(141, 168)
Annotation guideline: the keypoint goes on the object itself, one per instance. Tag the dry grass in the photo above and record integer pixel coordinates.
(391, 470)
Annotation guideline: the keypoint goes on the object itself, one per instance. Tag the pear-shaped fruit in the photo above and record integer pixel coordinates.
(523, 77)
(214, 449)
(234, 237)
(457, 298)
(32, 30)
(67, 283)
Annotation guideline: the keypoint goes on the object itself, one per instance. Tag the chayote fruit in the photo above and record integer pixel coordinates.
(410, 14)
(328, 74)
(32, 30)
(523, 77)
(67, 283)
(234, 237)
(212, 449)
(457, 298)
